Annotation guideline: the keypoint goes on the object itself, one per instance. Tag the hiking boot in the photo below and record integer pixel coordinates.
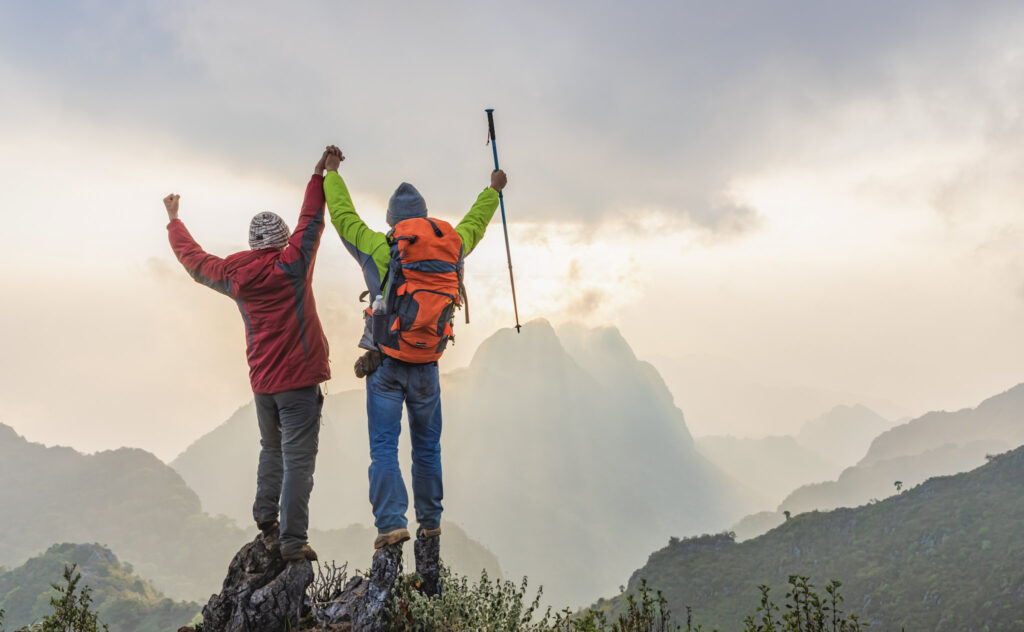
(295, 555)
(269, 528)
(428, 560)
(391, 537)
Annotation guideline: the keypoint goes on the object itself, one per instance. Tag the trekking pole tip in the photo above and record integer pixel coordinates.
(518, 327)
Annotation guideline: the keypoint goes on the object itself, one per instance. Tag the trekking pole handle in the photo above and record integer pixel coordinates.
(490, 123)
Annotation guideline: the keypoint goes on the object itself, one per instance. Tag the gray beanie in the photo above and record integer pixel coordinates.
(405, 203)
(268, 230)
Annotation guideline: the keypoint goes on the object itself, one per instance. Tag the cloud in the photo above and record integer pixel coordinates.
(599, 105)
(587, 303)
(813, 186)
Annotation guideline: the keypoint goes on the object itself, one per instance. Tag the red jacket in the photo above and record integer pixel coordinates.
(285, 344)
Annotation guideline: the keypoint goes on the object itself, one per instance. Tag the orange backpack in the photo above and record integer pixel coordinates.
(421, 291)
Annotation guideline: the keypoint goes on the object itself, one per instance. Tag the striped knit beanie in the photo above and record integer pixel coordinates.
(268, 230)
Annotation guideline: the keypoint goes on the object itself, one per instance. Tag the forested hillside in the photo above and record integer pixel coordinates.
(124, 601)
(946, 555)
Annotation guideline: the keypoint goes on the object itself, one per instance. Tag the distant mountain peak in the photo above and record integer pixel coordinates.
(8, 435)
(998, 417)
(841, 413)
(537, 339)
(844, 433)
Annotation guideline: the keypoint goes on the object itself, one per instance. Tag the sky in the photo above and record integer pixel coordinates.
(783, 206)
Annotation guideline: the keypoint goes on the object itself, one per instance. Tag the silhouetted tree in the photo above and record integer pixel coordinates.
(899, 486)
(787, 514)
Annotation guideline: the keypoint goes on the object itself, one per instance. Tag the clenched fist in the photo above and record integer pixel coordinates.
(171, 204)
(498, 180)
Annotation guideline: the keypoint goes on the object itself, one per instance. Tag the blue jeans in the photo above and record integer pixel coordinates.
(387, 388)
(289, 436)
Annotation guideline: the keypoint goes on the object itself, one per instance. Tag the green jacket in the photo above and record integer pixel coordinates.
(370, 248)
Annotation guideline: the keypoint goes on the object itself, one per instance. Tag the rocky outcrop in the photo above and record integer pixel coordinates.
(261, 591)
(428, 562)
(359, 606)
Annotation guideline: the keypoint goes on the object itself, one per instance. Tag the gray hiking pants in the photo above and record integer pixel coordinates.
(289, 436)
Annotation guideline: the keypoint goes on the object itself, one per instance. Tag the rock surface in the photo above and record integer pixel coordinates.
(261, 591)
(428, 562)
(363, 599)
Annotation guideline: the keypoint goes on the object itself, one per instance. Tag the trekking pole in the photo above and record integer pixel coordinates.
(504, 224)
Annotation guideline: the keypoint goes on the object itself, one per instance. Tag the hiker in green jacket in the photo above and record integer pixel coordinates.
(392, 382)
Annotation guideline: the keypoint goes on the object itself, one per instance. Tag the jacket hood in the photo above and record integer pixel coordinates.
(251, 268)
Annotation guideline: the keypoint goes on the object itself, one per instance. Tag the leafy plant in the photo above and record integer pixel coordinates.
(72, 608)
(496, 606)
(806, 610)
(502, 606)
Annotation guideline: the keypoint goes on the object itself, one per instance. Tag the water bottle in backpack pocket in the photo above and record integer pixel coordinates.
(378, 320)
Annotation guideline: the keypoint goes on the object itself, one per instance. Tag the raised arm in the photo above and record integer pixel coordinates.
(365, 244)
(202, 266)
(472, 227)
(305, 240)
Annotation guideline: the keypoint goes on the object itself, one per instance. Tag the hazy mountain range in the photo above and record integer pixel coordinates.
(998, 419)
(566, 459)
(843, 434)
(553, 442)
(129, 500)
(776, 465)
(946, 555)
(724, 395)
(934, 444)
(126, 499)
(770, 466)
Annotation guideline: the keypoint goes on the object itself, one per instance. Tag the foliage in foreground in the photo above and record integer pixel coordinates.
(72, 608)
(503, 606)
(122, 599)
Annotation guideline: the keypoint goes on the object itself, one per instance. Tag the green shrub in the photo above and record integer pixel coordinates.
(806, 611)
(72, 608)
(503, 606)
(495, 606)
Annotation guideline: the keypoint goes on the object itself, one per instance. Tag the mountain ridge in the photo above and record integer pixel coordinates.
(903, 560)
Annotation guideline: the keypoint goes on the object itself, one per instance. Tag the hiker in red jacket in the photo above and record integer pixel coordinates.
(271, 283)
